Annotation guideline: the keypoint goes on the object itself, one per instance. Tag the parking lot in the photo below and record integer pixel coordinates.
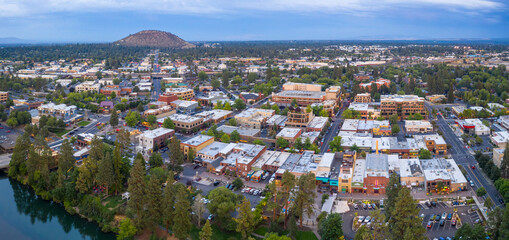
(206, 185)
(435, 230)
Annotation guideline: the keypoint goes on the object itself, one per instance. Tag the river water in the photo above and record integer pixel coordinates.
(24, 215)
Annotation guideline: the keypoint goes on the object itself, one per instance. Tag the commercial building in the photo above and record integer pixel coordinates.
(473, 126)
(442, 175)
(418, 126)
(409, 171)
(4, 96)
(402, 105)
(182, 93)
(163, 111)
(241, 158)
(60, 111)
(158, 136)
(305, 94)
(254, 117)
(379, 83)
(184, 122)
(363, 98)
(88, 86)
(167, 98)
(184, 106)
(318, 124)
(250, 98)
(246, 134)
(299, 117)
(196, 143)
(365, 110)
(289, 133)
(215, 115)
(500, 139)
(376, 174)
(498, 155)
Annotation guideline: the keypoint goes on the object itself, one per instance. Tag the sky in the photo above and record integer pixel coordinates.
(239, 20)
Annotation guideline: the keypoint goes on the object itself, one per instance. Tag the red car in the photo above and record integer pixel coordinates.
(430, 224)
(1, 127)
(8, 131)
(473, 167)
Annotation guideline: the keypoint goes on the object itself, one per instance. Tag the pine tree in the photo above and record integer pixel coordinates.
(405, 222)
(106, 173)
(117, 167)
(504, 165)
(391, 191)
(176, 157)
(198, 208)
(182, 219)
(305, 196)
(154, 199)
(66, 159)
(450, 94)
(287, 184)
(17, 165)
(137, 192)
(504, 225)
(114, 118)
(168, 201)
(245, 219)
(206, 231)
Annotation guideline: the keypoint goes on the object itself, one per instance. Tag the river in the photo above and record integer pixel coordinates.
(24, 215)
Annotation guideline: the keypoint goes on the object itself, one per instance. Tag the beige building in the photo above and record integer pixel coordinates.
(418, 126)
(182, 93)
(254, 117)
(150, 138)
(196, 143)
(363, 98)
(185, 122)
(305, 97)
(302, 87)
(402, 105)
(4, 96)
(498, 155)
(299, 118)
(88, 86)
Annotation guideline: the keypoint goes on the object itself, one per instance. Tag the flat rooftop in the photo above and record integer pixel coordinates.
(197, 140)
(288, 132)
(300, 94)
(156, 132)
(183, 118)
(213, 149)
(318, 122)
(242, 131)
(401, 98)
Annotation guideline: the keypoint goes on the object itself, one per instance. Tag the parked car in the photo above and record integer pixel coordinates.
(453, 222)
(216, 183)
(360, 219)
(355, 206)
(437, 218)
(432, 217)
(449, 216)
(444, 215)
(442, 222)
(433, 204)
(365, 206)
(430, 224)
(211, 217)
(428, 204)
(373, 206)
(367, 219)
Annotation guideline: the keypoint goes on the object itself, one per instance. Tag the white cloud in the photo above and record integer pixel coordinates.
(16, 8)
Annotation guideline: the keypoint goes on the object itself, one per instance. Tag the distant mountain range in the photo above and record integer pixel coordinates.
(153, 38)
(13, 40)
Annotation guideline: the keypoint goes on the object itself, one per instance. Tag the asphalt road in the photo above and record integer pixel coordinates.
(463, 157)
(333, 129)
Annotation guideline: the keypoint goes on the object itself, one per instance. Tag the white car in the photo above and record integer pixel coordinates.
(361, 219)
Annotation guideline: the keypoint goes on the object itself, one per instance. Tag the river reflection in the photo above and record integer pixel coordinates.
(24, 215)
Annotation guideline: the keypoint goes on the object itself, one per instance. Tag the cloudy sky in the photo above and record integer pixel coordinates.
(202, 20)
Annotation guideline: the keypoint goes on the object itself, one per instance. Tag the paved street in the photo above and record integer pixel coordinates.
(464, 158)
(333, 129)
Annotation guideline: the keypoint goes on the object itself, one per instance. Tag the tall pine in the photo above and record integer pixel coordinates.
(137, 192)
(182, 219)
(154, 199)
(106, 174)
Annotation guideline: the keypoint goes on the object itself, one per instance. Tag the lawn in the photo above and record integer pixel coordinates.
(217, 234)
(83, 123)
(308, 235)
(113, 201)
(261, 231)
(60, 133)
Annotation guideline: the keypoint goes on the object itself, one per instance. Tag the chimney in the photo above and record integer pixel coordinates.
(377, 147)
